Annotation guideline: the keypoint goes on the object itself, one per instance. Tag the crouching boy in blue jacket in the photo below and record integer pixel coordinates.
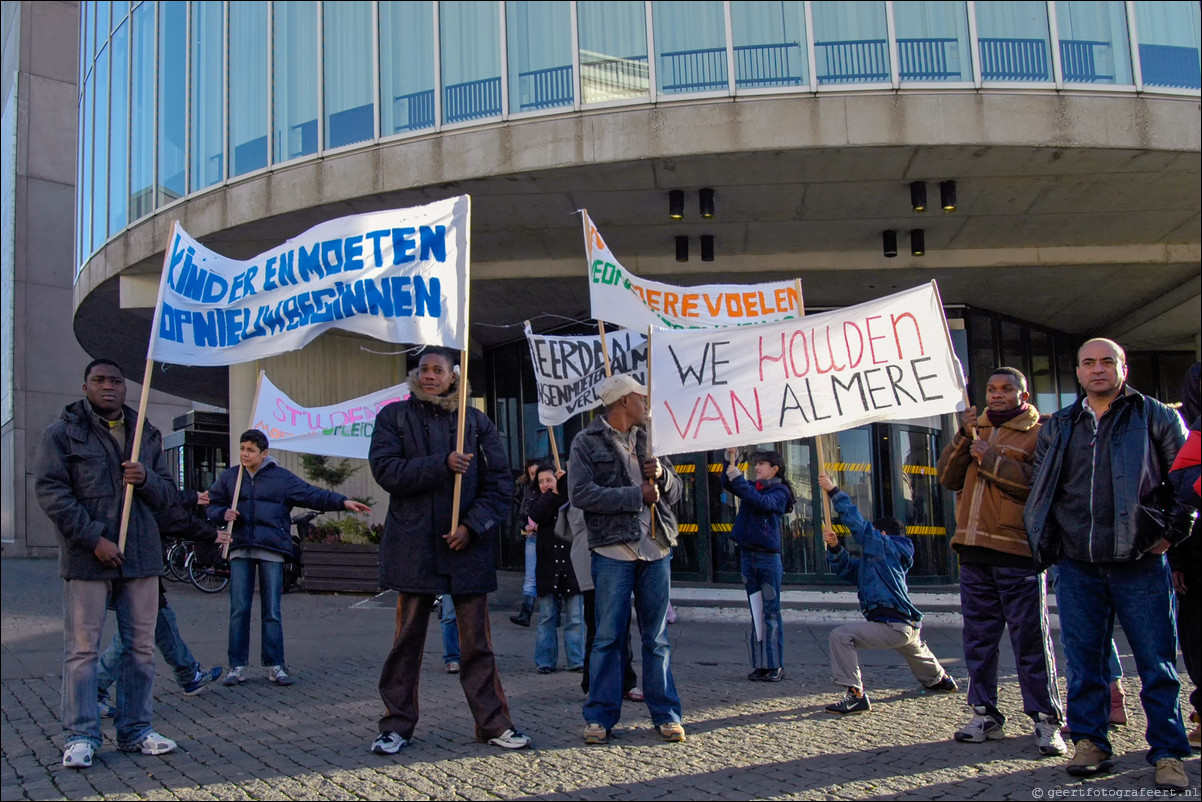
(892, 619)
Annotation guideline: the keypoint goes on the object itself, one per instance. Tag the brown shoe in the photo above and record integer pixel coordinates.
(1118, 704)
(1195, 735)
(1170, 775)
(673, 732)
(1088, 760)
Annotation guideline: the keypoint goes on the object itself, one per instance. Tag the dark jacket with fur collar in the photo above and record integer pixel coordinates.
(409, 449)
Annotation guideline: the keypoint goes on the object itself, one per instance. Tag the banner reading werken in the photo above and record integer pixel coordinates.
(338, 430)
(399, 276)
(638, 303)
(568, 370)
(882, 360)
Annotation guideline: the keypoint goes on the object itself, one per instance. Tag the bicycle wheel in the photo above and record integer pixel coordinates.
(209, 578)
(177, 561)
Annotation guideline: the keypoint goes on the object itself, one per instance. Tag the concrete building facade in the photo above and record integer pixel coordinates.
(1070, 131)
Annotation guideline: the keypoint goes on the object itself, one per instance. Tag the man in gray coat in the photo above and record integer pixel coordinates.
(83, 466)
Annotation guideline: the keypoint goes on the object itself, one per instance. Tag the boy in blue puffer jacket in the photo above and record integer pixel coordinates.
(757, 532)
(893, 622)
(260, 534)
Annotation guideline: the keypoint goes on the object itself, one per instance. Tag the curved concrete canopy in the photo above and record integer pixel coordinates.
(1080, 212)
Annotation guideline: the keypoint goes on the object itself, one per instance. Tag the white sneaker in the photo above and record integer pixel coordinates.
(236, 676)
(388, 743)
(510, 739)
(1047, 738)
(152, 744)
(982, 726)
(279, 675)
(78, 755)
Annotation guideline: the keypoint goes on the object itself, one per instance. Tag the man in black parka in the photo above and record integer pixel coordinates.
(413, 457)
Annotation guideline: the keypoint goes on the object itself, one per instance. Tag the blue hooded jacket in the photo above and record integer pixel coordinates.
(881, 572)
(757, 526)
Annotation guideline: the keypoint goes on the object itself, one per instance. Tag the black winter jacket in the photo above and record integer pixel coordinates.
(79, 488)
(409, 449)
(1145, 439)
(265, 504)
(553, 573)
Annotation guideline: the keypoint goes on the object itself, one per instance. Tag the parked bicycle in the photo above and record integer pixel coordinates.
(207, 569)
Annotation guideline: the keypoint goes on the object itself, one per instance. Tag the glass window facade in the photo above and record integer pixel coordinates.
(539, 37)
(690, 47)
(173, 101)
(1013, 40)
(851, 44)
(181, 95)
(932, 42)
(248, 86)
(350, 111)
(406, 67)
(769, 44)
(294, 80)
(1169, 41)
(471, 60)
(613, 51)
(1094, 45)
(208, 95)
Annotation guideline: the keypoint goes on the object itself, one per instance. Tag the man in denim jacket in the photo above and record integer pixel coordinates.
(627, 497)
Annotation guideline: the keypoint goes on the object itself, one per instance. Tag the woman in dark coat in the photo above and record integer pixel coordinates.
(414, 458)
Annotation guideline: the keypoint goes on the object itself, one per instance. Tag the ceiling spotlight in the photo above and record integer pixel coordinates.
(682, 248)
(918, 242)
(707, 246)
(707, 203)
(918, 196)
(676, 204)
(889, 242)
(947, 195)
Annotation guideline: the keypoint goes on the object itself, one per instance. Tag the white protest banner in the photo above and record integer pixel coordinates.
(399, 276)
(568, 370)
(883, 360)
(619, 297)
(337, 430)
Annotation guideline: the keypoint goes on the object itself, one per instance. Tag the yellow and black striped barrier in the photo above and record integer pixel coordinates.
(925, 470)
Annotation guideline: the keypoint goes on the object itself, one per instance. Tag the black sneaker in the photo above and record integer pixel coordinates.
(388, 743)
(774, 675)
(758, 675)
(944, 685)
(850, 703)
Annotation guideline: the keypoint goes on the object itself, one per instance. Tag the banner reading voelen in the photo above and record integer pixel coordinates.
(568, 370)
(338, 430)
(883, 360)
(399, 276)
(618, 297)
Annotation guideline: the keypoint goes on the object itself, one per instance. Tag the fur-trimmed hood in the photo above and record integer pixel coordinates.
(448, 401)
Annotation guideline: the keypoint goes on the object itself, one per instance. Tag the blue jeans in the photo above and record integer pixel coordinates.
(1140, 594)
(529, 587)
(171, 646)
(546, 644)
(762, 574)
(85, 605)
(614, 580)
(1114, 667)
(242, 596)
(450, 631)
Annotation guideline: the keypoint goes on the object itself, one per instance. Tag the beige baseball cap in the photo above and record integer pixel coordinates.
(619, 386)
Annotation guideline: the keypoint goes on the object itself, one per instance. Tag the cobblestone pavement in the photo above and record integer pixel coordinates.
(310, 741)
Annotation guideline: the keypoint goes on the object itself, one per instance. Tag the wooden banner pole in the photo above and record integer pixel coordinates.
(604, 349)
(459, 436)
(225, 547)
(135, 452)
(554, 448)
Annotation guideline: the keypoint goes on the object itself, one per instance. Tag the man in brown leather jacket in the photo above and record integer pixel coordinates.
(988, 464)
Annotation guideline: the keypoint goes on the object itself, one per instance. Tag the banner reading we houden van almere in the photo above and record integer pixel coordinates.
(399, 276)
(887, 359)
(635, 302)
